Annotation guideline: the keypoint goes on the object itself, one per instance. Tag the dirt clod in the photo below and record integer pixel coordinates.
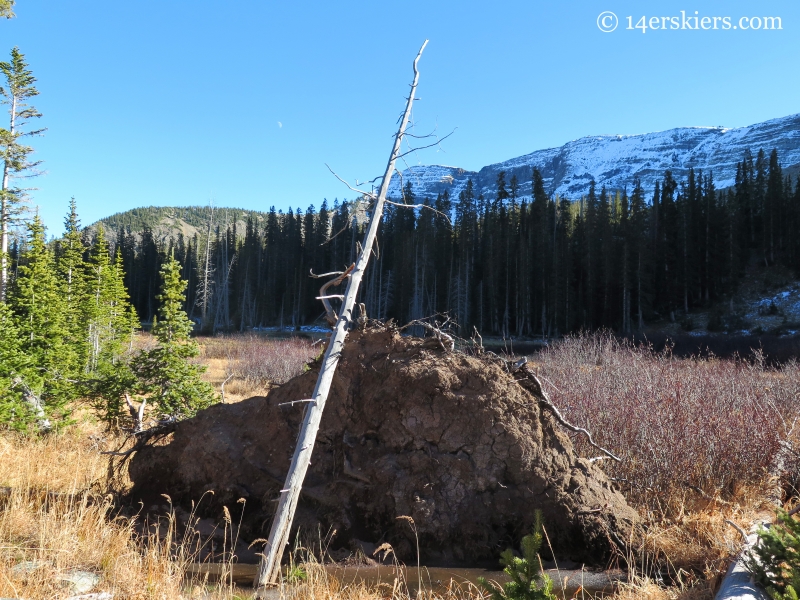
(451, 440)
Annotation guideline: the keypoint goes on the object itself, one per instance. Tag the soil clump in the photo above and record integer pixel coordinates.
(453, 441)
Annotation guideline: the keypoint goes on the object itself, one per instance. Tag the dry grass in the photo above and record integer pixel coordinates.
(712, 424)
(55, 519)
(647, 589)
(252, 363)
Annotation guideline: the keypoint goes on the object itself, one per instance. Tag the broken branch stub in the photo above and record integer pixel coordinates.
(269, 567)
(330, 314)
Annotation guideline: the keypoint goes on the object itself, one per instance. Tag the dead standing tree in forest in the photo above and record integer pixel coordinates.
(269, 568)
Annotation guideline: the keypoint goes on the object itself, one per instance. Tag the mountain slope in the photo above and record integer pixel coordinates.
(615, 160)
(167, 222)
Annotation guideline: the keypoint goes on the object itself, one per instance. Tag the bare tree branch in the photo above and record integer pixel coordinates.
(436, 143)
(362, 192)
(444, 340)
(535, 386)
(331, 274)
(428, 206)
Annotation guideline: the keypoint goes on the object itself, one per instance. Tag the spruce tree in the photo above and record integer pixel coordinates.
(38, 302)
(16, 92)
(70, 269)
(527, 580)
(7, 9)
(108, 316)
(775, 561)
(166, 374)
(112, 377)
(18, 373)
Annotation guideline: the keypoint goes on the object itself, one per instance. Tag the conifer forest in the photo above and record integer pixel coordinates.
(515, 263)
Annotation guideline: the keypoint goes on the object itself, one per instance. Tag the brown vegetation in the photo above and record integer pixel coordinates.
(251, 363)
(699, 438)
(712, 424)
(55, 518)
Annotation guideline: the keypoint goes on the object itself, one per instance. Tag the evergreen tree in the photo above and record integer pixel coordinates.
(18, 374)
(775, 561)
(7, 9)
(166, 375)
(70, 269)
(108, 316)
(773, 208)
(110, 322)
(37, 300)
(16, 93)
(527, 580)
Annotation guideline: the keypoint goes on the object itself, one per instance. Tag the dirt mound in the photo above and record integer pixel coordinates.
(453, 441)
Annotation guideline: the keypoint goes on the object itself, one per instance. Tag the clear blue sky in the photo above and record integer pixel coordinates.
(174, 102)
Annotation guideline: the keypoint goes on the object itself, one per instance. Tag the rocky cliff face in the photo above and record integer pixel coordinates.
(615, 160)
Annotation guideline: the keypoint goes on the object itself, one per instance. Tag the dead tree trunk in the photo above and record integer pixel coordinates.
(205, 290)
(269, 568)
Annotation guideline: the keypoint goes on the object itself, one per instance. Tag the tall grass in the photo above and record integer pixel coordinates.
(55, 518)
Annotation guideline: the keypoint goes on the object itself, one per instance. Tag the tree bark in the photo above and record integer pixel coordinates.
(5, 209)
(269, 568)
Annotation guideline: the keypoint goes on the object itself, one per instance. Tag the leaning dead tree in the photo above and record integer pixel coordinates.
(269, 568)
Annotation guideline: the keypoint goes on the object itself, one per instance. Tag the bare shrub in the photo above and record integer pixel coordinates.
(259, 360)
(705, 422)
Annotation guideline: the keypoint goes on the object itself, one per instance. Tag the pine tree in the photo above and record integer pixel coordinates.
(70, 269)
(7, 9)
(18, 375)
(114, 322)
(38, 303)
(775, 560)
(165, 373)
(773, 207)
(108, 317)
(18, 89)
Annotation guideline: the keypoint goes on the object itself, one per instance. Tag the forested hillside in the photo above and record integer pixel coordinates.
(515, 263)
(167, 222)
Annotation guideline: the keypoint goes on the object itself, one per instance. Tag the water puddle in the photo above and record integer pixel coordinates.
(567, 583)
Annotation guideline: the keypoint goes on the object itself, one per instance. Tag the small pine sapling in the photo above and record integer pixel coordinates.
(775, 560)
(527, 580)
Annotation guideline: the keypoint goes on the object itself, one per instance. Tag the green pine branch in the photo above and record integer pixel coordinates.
(527, 580)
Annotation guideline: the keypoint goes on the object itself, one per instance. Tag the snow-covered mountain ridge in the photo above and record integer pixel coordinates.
(615, 160)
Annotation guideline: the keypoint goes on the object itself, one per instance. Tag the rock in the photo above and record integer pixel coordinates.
(28, 566)
(80, 582)
(450, 440)
(95, 596)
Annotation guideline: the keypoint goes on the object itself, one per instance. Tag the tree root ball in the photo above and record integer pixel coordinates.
(453, 441)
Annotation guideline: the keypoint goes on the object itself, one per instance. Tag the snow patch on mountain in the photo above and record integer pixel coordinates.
(615, 161)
